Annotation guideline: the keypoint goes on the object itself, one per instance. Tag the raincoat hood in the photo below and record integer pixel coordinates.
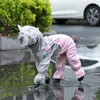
(32, 32)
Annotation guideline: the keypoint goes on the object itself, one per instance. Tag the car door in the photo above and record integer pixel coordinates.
(75, 8)
(65, 8)
(58, 7)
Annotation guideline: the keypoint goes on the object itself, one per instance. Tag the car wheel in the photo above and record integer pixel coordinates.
(61, 21)
(92, 15)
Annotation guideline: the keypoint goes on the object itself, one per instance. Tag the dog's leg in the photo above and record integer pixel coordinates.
(39, 79)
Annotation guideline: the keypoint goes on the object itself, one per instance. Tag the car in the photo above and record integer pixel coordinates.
(76, 9)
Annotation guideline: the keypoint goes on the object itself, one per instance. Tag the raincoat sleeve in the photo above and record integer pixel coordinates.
(42, 61)
(43, 58)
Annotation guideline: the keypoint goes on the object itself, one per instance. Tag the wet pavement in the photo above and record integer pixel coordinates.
(88, 51)
(87, 34)
(16, 82)
(69, 89)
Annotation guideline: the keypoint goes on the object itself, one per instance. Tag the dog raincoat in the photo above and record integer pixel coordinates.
(57, 46)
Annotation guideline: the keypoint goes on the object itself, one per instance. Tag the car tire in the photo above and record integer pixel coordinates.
(92, 15)
(61, 21)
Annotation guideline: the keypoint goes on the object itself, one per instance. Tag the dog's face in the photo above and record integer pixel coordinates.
(25, 36)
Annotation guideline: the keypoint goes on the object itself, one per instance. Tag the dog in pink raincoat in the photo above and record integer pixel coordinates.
(45, 48)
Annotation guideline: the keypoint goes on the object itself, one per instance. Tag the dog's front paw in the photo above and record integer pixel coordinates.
(36, 85)
(47, 80)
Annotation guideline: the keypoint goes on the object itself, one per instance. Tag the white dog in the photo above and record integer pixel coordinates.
(31, 37)
(45, 48)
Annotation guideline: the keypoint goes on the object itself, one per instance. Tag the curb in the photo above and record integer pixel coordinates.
(11, 43)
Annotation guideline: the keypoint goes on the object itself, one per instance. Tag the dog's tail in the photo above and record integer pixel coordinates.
(75, 38)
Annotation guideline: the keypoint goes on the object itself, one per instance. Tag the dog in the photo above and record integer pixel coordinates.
(57, 46)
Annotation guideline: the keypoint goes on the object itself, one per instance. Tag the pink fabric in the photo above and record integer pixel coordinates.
(59, 93)
(62, 40)
(49, 45)
(60, 65)
(78, 95)
(79, 73)
(68, 50)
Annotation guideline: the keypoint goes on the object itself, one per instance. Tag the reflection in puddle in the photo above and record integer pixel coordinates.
(74, 93)
(79, 94)
(70, 91)
(52, 93)
(58, 94)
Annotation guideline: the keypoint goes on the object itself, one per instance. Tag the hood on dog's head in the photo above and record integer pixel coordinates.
(30, 31)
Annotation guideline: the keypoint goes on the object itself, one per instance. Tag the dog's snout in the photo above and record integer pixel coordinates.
(21, 40)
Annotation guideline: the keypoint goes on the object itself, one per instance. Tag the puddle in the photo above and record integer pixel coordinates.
(15, 79)
(15, 82)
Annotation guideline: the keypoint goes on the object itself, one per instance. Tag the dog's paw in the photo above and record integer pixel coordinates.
(80, 79)
(47, 80)
(36, 85)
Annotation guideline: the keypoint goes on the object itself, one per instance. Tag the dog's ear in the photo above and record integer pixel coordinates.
(19, 27)
(38, 28)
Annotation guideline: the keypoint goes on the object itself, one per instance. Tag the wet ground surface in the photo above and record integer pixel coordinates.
(87, 34)
(88, 51)
(70, 88)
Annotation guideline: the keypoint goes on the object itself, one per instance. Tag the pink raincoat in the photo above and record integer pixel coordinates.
(67, 50)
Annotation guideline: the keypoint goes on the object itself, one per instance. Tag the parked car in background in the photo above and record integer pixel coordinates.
(76, 9)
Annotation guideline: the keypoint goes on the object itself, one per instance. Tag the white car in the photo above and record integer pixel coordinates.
(76, 9)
